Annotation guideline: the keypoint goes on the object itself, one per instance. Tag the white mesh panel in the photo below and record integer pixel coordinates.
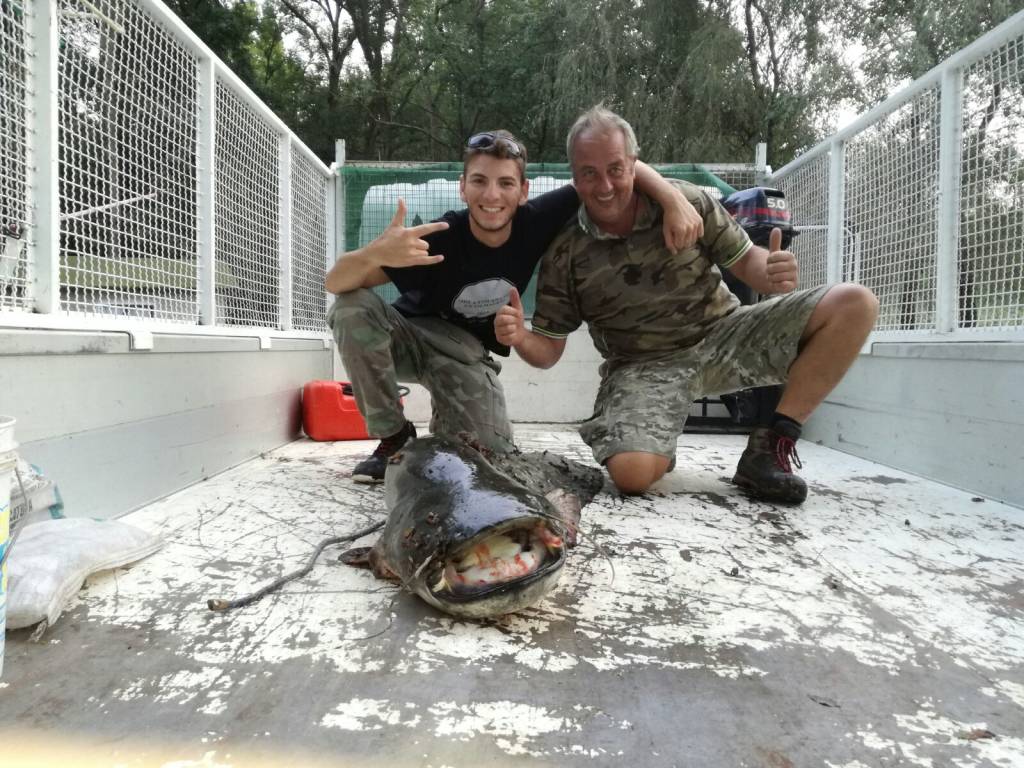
(737, 178)
(309, 245)
(127, 94)
(15, 126)
(891, 200)
(990, 280)
(247, 200)
(806, 191)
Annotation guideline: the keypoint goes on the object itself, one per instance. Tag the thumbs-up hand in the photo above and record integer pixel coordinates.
(780, 266)
(509, 328)
(401, 246)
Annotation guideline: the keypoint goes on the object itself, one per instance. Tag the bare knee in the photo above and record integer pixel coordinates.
(852, 302)
(634, 472)
(847, 309)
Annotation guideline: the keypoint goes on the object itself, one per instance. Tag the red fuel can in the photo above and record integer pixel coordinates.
(329, 412)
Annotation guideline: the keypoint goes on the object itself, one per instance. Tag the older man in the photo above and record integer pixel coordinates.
(454, 274)
(669, 329)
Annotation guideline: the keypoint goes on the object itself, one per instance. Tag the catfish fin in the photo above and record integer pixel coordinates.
(370, 559)
(357, 557)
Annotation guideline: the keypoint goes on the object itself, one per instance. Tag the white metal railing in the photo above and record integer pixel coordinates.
(145, 186)
(922, 199)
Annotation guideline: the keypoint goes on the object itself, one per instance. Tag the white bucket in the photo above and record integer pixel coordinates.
(8, 460)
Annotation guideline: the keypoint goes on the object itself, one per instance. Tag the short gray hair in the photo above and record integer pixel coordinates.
(600, 118)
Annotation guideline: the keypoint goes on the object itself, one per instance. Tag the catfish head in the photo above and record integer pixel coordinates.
(466, 537)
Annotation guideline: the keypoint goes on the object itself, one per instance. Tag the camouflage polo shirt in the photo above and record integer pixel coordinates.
(639, 300)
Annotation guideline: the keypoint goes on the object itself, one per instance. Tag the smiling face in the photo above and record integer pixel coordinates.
(492, 190)
(603, 174)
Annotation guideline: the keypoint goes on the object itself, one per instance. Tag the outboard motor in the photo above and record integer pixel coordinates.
(759, 210)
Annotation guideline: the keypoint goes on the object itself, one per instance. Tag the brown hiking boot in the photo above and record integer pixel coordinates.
(766, 466)
(371, 469)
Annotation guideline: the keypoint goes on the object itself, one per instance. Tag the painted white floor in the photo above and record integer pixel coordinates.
(881, 623)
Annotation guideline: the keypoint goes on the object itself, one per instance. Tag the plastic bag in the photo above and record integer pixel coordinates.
(52, 559)
(40, 500)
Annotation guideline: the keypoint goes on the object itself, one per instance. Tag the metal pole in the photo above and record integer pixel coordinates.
(761, 163)
(43, 186)
(285, 231)
(206, 186)
(338, 217)
(948, 212)
(836, 211)
(340, 213)
(331, 219)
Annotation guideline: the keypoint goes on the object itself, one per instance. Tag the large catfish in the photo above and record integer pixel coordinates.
(476, 536)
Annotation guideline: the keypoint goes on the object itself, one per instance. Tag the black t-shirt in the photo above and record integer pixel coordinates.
(473, 281)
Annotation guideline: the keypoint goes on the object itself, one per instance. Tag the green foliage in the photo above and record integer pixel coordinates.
(227, 29)
(700, 79)
(903, 39)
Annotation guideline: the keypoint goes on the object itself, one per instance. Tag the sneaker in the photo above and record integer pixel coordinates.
(371, 469)
(766, 466)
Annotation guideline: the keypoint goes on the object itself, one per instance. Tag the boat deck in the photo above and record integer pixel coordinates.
(881, 623)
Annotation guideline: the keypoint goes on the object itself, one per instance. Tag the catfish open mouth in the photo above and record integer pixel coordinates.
(500, 559)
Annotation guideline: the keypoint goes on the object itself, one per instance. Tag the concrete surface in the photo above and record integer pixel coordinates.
(879, 624)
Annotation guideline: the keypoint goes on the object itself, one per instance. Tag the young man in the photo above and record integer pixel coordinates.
(454, 275)
(669, 329)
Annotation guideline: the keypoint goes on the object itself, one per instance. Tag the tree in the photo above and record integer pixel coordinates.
(796, 73)
(701, 80)
(903, 39)
(482, 66)
(226, 29)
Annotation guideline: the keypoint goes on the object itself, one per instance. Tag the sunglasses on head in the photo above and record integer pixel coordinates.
(484, 141)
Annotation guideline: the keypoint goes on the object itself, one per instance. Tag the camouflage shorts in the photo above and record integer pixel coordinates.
(642, 404)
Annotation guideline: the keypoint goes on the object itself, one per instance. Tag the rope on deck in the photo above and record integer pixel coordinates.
(215, 604)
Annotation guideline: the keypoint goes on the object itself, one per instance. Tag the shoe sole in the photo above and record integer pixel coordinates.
(366, 480)
(754, 491)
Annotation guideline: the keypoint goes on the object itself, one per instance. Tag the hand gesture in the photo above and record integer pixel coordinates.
(780, 267)
(509, 328)
(682, 225)
(400, 246)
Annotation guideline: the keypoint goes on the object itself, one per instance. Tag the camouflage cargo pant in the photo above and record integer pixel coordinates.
(380, 347)
(642, 404)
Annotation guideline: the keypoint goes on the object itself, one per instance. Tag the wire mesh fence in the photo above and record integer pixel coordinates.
(990, 269)
(134, 149)
(738, 176)
(892, 176)
(807, 195)
(127, 180)
(246, 212)
(937, 240)
(16, 121)
(309, 244)
(135, 140)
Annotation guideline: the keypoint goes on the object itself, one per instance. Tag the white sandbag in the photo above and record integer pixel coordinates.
(51, 560)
